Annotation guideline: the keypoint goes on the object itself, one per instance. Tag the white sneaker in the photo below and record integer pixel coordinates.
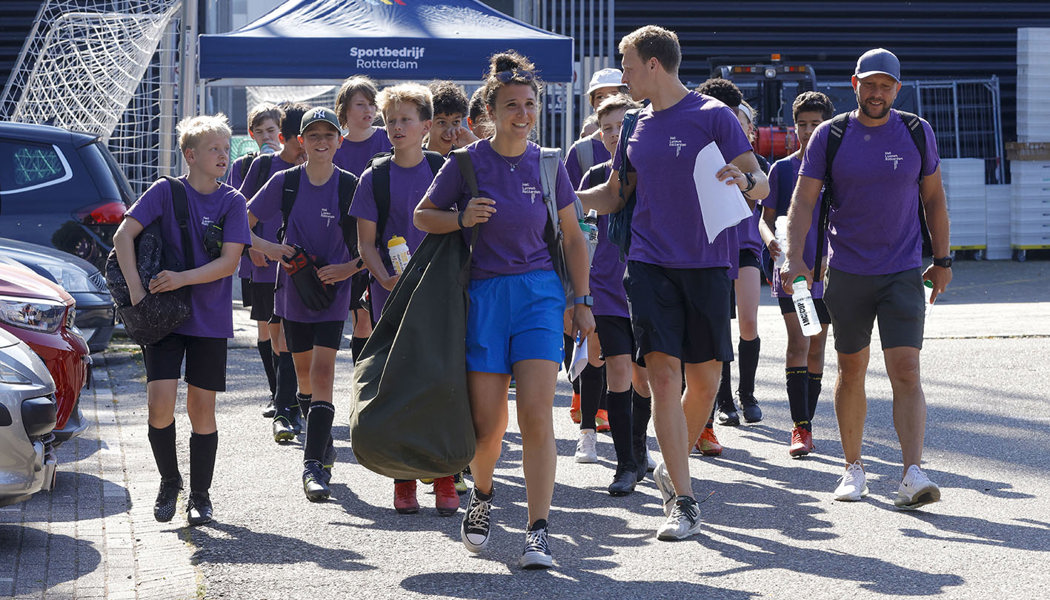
(683, 521)
(587, 447)
(916, 490)
(853, 484)
(663, 483)
(651, 466)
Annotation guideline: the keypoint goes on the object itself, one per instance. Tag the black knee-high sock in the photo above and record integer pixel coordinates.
(641, 412)
(202, 460)
(603, 401)
(162, 441)
(622, 426)
(284, 399)
(266, 354)
(814, 393)
(797, 382)
(590, 395)
(318, 430)
(356, 345)
(568, 362)
(304, 404)
(724, 397)
(748, 351)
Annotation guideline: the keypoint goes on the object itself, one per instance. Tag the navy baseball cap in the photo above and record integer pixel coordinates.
(316, 115)
(878, 60)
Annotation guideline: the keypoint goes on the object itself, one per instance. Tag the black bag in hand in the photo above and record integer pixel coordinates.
(302, 270)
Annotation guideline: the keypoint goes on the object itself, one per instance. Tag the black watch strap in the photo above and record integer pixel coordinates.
(945, 262)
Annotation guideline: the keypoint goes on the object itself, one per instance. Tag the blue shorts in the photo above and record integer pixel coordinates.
(512, 318)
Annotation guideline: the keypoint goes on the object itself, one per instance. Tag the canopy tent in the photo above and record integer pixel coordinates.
(412, 40)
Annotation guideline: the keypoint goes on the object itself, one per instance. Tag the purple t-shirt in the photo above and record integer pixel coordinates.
(667, 229)
(780, 203)
(353, 156)
(314, 224)
(235, 177)
(511, 242)
(264, 229)
(610, 297)
(873, 224)
(210, 302)
(407, 187)
(572, 160)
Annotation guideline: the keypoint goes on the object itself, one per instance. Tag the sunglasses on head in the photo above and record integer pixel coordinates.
(508, 76)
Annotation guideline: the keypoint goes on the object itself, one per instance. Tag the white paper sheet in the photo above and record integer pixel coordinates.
(579, 359)
(721, 205)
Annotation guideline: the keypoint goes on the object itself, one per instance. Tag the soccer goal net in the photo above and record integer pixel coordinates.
(106, 67)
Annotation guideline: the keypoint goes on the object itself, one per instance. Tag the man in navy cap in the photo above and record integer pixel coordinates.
(875, 265)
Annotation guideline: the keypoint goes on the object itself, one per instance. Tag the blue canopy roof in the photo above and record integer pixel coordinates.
(385, 39)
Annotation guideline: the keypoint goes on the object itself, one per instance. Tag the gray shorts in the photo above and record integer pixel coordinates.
(854, 301)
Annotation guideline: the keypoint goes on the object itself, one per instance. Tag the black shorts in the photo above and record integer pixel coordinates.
(896, 299)
(246, 292)
(302, 337)
(205, 360)
(358, 287)
(680, 312)
(262, 301)
(787, 307)
(748, 258)
(616, 337)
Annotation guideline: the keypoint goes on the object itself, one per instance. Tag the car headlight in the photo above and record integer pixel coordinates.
(34, 314)
(10, 373)
(70, 279)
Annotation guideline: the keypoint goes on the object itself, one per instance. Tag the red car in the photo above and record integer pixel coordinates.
(41, 314)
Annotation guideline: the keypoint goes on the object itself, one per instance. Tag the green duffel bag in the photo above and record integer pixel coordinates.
(411, 416)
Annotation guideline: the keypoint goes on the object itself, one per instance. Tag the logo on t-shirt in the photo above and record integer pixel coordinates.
(677, 144)
(893, 157)
(528, 190)
(205, 221)
(327, 216)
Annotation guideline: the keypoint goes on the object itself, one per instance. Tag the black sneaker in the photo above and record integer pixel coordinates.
(296, 421)
(282, 430)
(752, 413)
(270, 409)
(198, 508)
(624, 480)
(641, 458)
(314, 482)
(475, 528)
(727, 414)
(164, 508)
(329, 461)
(537, 552)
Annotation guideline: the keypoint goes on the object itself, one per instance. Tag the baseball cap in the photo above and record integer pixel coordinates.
(315, 115)
(605, 78)
(878, 60)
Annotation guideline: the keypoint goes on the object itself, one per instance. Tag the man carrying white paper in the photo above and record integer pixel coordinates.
(677, 282)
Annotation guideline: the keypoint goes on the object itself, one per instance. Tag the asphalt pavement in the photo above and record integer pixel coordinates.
(770, 529)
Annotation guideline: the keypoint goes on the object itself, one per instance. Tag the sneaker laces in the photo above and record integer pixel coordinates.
(477, 516)
(796, 436)
(850, 476)
(536, 541)
(685, 509)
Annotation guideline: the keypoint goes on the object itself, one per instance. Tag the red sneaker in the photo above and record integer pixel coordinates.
(405, 497)
(446, 500)
(574, 409)
(708, 444)
(601, 420)
(801, 442)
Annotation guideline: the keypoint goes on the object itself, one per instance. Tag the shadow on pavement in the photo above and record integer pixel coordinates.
(65, 551)
(222, 543)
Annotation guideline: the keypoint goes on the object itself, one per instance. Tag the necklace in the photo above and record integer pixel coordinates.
(512, 165)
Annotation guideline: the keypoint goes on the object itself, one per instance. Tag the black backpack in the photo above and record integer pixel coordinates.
(347, 187)
(265, 164)
(838, 126)
(380, 165)
(620, 221)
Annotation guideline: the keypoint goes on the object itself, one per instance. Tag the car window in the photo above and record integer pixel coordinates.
(27, 166)
(106, 173)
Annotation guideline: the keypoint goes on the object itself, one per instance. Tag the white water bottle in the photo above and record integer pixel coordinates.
(781, 233)
(399, 254)
(589, 225)
(804, 307)
(927, 286)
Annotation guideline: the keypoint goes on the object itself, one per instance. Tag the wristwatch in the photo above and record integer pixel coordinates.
(945, 262)
(587, 301)
(750, 183)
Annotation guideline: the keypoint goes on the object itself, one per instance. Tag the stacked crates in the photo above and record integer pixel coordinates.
(1030, 198)
(997, 202)
(964, 187)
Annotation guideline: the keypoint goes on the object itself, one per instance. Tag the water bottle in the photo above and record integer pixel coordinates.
(399, 254)
(927, 286)
(781, 234)
(266, 148)
(589, 225)
(804, 307)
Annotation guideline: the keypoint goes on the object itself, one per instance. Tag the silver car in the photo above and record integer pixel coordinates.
(27, 415)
